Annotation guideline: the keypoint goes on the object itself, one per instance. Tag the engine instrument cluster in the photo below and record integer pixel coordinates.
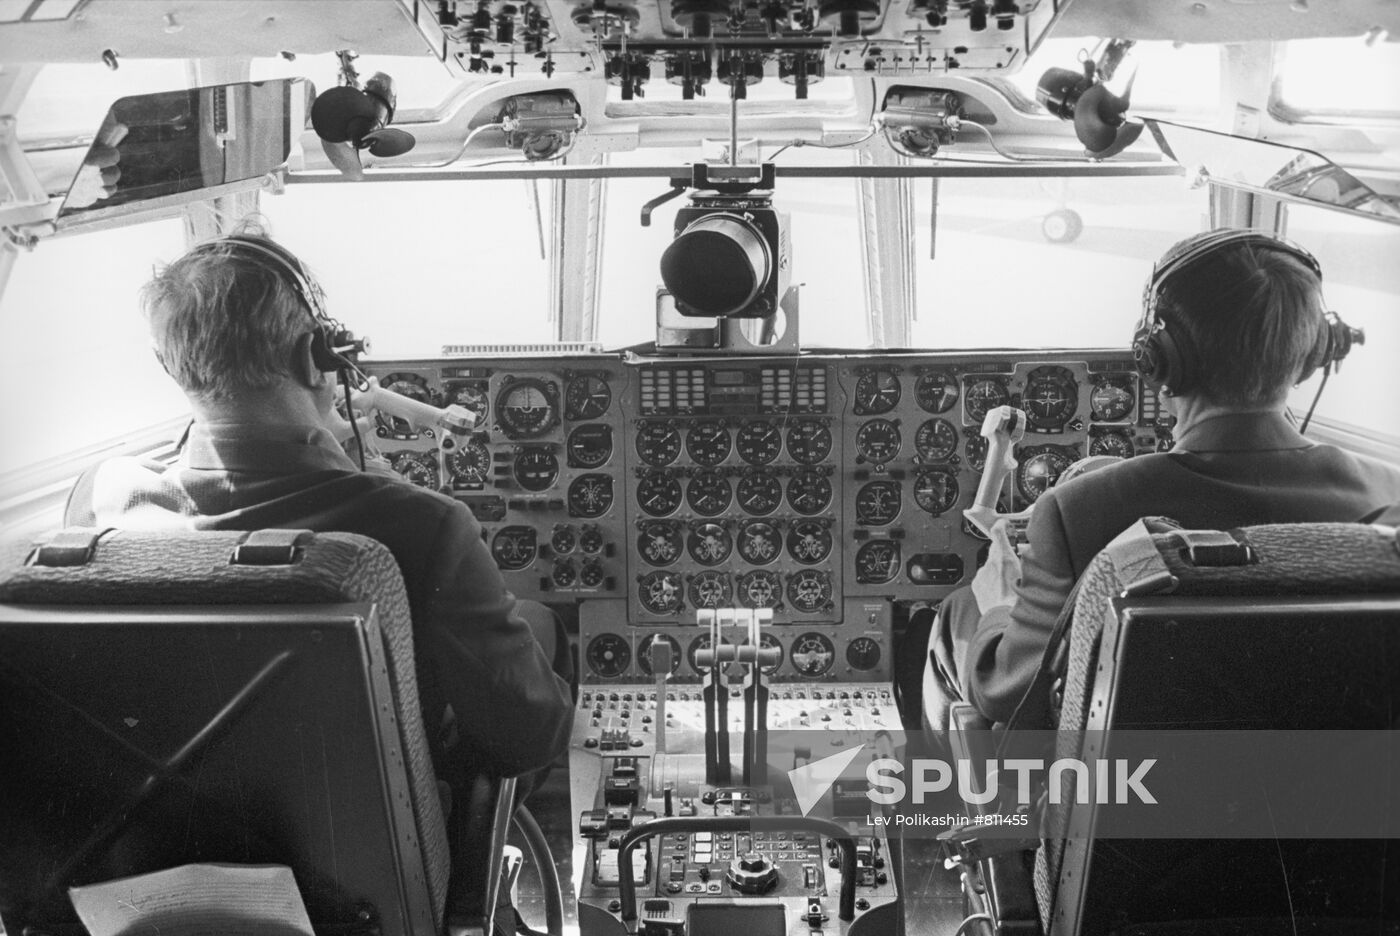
(823, 488)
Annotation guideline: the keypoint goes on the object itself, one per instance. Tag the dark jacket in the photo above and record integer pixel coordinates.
(473, 651)
(1227, 471)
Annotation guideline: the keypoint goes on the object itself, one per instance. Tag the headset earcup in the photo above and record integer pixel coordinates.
(322, 354)
(1177, 370)
(1323, 349)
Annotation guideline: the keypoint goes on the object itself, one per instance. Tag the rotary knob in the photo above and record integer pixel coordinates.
(751, 873)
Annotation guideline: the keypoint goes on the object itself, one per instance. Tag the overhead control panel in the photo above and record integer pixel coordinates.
(696, 43)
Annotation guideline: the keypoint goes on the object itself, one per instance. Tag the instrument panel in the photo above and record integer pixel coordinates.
(820, 488)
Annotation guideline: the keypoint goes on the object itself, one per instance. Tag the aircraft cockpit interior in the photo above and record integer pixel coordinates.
(743, 338)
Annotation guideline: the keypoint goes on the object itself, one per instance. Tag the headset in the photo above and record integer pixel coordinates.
(1168, 360)
(333, 347)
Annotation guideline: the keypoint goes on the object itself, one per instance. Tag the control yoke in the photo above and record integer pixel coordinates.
(1002, 427)
(454, 419)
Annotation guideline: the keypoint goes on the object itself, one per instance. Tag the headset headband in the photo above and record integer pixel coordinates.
(1192, 249)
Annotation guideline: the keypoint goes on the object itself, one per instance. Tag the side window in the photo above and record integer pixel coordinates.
(76, 368)
(1360, 282)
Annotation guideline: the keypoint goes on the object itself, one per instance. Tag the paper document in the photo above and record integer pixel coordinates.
(194, 900)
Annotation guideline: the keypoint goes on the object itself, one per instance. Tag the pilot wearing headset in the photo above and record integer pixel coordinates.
(239, 324)
(1231, 321)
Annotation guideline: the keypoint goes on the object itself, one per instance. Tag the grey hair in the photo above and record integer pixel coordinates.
(223, 323)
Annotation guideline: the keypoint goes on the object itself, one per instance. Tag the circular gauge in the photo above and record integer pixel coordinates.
(809, 541)
(877, 391)
(936, 490)
(526, 408)
(878, 441)
(590, 495)
(1038, 470)
(536, 469)
(709, 543)
(590, 540)
(707, 442)
(658, 494)
(877, 562)
(812, 654)
(975, 450)
(1051, 397)
(658, 443)
(409, 385)
(587, 397)
(563, 540)
(644, 652)
(863, 654)
(710, 589)
(760, 589)
(759, 493)
(936, 392)
(878, 503)
(470, 396)
(708, 494)
(590, 446)
(759, 442)
(984, 395)
(418, 468)
(660, 592)
(1112, 398)
(608, 655)
(469, 464)
(809, 591)
(591, 575)
(809, 492)
(809, 441)
(1112, 443)
(514, 547)
(660, 543)
(759, 542)
(565, 574)
(936, 440)
(702, 642)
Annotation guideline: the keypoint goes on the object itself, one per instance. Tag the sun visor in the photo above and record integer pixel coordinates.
(175, 147)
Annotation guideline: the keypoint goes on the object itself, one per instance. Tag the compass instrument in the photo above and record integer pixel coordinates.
(1039, 467)
(470, 464)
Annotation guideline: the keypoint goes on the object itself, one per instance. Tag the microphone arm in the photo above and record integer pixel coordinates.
(1002, 427)
(455, 419)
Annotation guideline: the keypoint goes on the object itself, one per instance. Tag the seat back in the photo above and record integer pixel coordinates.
(178, 697)
(1299, 632)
